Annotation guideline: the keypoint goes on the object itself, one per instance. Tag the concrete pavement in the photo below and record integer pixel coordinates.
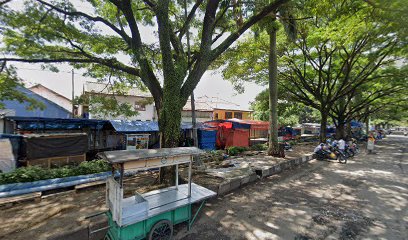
(367, 198)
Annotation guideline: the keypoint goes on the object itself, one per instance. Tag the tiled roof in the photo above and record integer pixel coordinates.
(206, 103)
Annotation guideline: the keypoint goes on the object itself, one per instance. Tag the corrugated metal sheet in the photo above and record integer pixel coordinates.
(52, 110)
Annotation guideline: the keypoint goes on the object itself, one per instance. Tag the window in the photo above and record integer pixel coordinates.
(216, 116)
(228, 115)
(238, 115)
(140, 106)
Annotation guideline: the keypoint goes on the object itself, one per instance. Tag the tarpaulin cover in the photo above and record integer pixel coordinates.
(237, 138)
(39, 123)
(227, 137)
(55, 146)
(127, 126)
(15, 141)
(252, 124)
(355, 124)
(207, 139)
(231, 122)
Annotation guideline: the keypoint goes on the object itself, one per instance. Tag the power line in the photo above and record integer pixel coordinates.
(45, 70)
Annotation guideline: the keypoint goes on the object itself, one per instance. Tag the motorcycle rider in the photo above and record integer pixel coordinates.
(319, 149)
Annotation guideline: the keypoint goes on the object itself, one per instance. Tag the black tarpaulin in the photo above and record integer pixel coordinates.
(55, 146)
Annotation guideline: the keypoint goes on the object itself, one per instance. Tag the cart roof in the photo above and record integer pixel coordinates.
(122, 156)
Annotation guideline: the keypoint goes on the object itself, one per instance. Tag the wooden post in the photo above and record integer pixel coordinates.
(122, 170)
(189, 176)
(177, 180)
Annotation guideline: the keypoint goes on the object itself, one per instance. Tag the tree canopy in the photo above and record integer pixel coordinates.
(106, 39)
(345, 58)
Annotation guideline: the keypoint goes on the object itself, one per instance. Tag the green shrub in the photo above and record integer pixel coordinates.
(259, 147)
(233, 151)
(35, 173)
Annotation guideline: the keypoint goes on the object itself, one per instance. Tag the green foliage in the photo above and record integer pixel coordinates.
(9, 82)
(35, 173)
(346, 52)
(258, 147)
(233, 151)
(290, 112)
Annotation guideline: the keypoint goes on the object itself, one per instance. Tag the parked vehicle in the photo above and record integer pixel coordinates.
(342, 155)
(325, 154)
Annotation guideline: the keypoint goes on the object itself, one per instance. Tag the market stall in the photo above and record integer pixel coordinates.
(154, 213)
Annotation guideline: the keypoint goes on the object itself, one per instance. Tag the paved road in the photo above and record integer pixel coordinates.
(367, 198)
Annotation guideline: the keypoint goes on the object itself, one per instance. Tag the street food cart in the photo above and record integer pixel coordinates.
(151, 215)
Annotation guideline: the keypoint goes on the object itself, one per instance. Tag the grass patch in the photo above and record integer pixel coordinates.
(35, 173)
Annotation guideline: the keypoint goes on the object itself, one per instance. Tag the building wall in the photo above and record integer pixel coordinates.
(46, 93)
(51, 110)
(222, 114)
(201, 116)
(149, 114)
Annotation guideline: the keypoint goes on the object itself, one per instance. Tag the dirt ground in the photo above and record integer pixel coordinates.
(64, 211)
(69, 210)
(367, 198)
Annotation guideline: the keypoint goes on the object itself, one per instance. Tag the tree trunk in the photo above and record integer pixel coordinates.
(273, 95)
(340, 130)
(169, 126)
(348, 130)
(323, 125)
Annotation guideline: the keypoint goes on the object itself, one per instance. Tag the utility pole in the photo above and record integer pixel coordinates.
(73, 94)
(193, 114)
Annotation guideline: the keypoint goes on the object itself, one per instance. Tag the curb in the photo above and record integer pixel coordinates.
(260, 173)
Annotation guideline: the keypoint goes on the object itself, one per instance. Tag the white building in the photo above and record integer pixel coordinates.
(52, 96)
(142, 102)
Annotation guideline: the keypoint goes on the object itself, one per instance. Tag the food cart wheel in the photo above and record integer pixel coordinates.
(161, 230)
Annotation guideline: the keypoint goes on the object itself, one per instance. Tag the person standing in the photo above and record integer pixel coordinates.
(370, 143)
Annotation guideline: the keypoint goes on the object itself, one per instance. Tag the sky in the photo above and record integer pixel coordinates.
(211, 84)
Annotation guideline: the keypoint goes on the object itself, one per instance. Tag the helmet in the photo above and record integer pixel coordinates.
(321, 144)
(328, 141)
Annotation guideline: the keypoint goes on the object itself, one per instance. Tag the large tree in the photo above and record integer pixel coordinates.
(105, 38)
(341, 50)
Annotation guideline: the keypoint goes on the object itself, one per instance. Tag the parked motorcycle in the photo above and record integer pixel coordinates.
(353, 149)
(325, 154)
(341, 155)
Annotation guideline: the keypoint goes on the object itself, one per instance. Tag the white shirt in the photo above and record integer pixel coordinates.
(318, 148)
(342, 144)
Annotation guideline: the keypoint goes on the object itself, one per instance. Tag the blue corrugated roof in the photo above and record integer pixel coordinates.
(52, 110)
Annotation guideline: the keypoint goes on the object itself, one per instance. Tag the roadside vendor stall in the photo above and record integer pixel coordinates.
(151, 215)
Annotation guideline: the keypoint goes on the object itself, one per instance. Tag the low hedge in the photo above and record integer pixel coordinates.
(35, 173)
(233, 151)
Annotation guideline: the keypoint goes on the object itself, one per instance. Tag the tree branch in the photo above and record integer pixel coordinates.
(91, 18)
(254, 19)
(190, 17)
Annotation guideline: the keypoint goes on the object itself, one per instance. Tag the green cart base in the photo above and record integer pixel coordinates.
(141, 230)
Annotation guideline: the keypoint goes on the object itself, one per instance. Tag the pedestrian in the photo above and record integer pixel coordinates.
(370, 143)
